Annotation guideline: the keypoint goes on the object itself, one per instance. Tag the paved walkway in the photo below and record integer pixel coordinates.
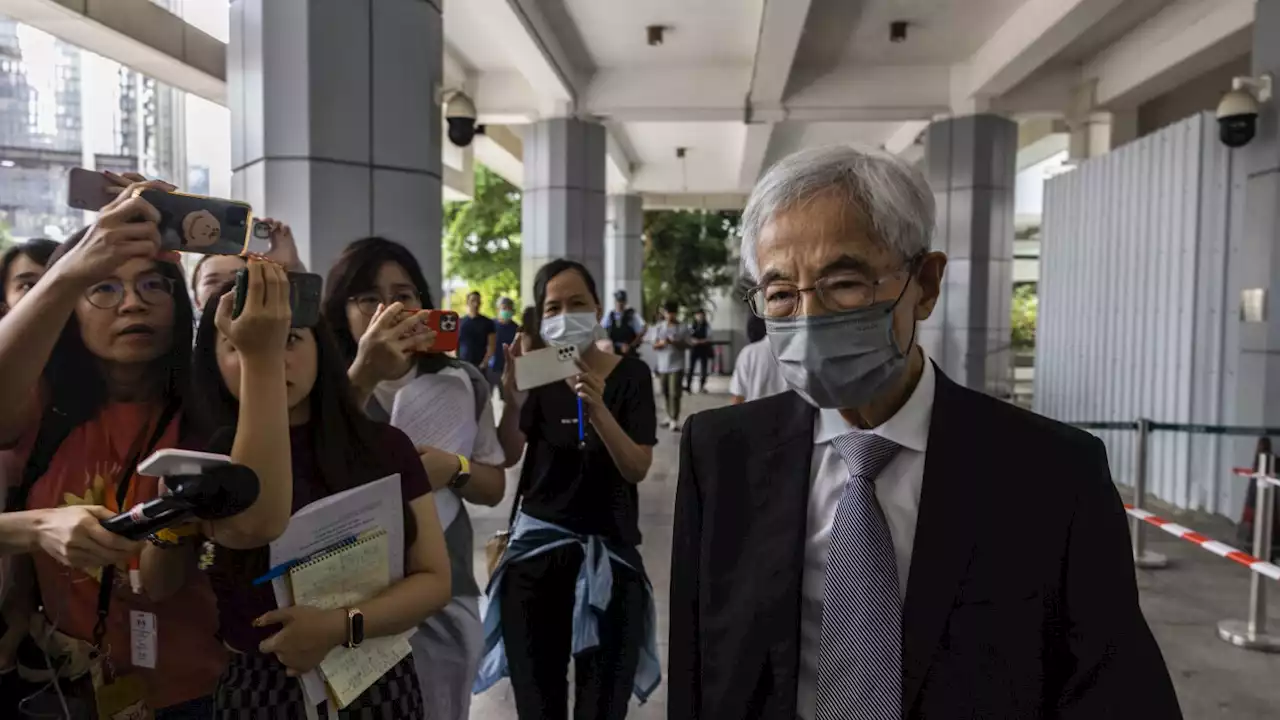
(1182, 603)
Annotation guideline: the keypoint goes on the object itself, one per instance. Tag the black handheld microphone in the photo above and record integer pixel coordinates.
(219, 493)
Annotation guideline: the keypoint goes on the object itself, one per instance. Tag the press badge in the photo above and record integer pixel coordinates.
(142, 639)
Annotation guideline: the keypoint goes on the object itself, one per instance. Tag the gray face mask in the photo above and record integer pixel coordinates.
(841, 360)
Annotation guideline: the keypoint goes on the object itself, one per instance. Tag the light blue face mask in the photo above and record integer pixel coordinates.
(839, 360)
(579, 329)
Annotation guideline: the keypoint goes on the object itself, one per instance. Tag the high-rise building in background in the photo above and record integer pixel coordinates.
(63, 107)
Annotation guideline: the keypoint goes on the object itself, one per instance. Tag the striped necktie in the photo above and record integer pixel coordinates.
(860, 651)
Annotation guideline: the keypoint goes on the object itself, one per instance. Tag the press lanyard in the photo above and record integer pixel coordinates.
(122, 496)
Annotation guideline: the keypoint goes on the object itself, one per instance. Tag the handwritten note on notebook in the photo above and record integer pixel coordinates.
(345, 577)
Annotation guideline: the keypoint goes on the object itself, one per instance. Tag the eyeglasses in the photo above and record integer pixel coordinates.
(368, 303)
(152, 288)
(837, 293)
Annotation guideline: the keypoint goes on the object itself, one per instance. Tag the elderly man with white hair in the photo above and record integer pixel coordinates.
(879, 542)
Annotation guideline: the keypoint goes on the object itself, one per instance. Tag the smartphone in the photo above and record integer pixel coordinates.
(545, 366)
(304, 297)
(166, 463)
(88, 190)
(447, 325)
(199, 224)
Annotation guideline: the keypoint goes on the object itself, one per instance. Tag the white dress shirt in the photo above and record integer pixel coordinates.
(756, 374)
(898, 491)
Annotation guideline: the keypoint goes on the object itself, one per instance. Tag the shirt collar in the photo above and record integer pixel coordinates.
(909, 427)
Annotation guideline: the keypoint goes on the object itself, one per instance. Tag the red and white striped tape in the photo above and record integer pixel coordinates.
(1251, 473)
(1221, 549)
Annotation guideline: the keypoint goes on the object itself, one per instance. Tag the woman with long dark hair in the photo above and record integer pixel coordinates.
(571, 581)
(376, 299)
(334, 448)
(94, 367)
(21, 266)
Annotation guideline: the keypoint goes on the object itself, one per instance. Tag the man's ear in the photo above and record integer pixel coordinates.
(932, 268)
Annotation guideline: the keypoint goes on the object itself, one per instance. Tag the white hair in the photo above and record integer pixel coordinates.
(893, 196)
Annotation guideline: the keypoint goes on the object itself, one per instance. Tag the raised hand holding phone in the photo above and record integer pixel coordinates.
(262, 328)
(281, 247)
(512, 351)
(386, 349)
(126, 229)
(589, 388)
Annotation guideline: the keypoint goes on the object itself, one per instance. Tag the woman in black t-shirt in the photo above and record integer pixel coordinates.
(578, 500)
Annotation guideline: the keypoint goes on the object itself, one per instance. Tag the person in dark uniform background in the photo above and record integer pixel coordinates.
(625, 328)
(701, 351)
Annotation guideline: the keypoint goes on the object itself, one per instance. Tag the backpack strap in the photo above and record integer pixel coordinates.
(479, 387)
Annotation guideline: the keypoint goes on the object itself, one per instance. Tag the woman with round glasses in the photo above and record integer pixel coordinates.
(94, 366)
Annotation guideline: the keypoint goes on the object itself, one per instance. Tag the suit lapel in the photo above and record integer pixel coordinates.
(777, 452)
(776, 455)
(944, 530)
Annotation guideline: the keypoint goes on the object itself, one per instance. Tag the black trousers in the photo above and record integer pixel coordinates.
(698, 356)
(537, 629)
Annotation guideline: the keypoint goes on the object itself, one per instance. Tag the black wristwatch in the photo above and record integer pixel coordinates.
(355, 628)
(463, 476)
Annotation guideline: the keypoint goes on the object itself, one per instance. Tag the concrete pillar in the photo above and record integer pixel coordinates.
(1124, 126)
(335, 121)
(1257, 262)
(623, 248)
(1090, 127)
(970, 164)
(563, 201)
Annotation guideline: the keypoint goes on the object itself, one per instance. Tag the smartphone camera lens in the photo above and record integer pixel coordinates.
(237, 216)
(261, 230)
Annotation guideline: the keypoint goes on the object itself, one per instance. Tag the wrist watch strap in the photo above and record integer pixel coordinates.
(463, 475)
(355, 628)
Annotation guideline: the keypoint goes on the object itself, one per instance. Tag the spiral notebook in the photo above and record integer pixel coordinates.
(343, 577)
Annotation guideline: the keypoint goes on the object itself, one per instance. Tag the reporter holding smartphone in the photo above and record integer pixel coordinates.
(576, 523)
(104, 340)
(377, 301)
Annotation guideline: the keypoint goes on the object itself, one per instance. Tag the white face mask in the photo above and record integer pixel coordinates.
(579, 329)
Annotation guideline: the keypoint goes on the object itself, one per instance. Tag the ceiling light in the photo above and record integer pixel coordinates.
(7, 163)
(656, 34)
(898, 31)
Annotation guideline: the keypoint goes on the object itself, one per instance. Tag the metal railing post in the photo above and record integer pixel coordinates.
(1251, 634)
(1142, 557)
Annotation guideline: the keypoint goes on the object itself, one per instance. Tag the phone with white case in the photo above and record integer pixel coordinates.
(545, 366)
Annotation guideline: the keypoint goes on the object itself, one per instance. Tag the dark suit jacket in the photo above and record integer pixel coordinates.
(1021, 600)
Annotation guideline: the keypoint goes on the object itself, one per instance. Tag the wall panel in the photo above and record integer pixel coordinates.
(1136, 306)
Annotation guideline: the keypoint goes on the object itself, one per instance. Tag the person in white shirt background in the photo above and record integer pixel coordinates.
(670, 340)
(755, 374)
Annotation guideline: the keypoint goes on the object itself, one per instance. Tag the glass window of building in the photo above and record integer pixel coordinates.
(63, 107)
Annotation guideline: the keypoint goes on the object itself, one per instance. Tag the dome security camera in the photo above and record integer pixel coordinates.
(1238, 111)
(460, 113)
(1237, 118)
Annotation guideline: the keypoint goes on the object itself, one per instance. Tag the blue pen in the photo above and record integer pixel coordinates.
(284, 568)
(582, 431)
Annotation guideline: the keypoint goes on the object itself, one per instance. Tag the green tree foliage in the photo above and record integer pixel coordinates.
(687, 256)
(1025, 308)
(482, 240)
